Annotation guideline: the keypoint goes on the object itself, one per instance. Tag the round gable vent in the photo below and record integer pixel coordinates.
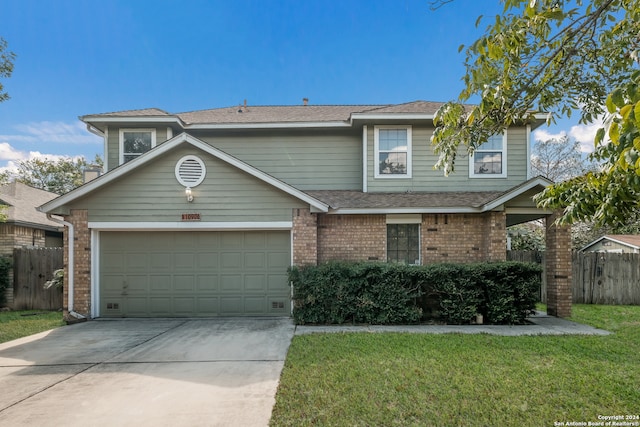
(190, 171)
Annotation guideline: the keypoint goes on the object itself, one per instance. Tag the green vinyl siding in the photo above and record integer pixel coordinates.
(309, 160)
(426, 178)
(151, 193)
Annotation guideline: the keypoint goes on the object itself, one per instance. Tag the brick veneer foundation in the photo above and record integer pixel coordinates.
(352, 237)
(305, 237)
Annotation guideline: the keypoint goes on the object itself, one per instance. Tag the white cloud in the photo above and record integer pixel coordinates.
(52, 132)
(585, 135)
(12, 157)
(545, 135)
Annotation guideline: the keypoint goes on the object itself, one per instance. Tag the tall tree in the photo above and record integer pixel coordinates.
(557, 57)
(559, 159)
(6, 66)
(57, 176)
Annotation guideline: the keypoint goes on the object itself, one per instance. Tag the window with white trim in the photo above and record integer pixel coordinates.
(135, 142)
(392, 151)
(490, 159)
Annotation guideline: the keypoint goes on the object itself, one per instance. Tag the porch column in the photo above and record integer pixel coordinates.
(305, 237)
(558, 266)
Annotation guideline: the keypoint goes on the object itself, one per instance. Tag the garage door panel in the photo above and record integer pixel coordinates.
(136, 283)
(183, 283)
(255, 260)
(184, 260)
(278, 282)
(207, 282)
(231, 282)
(137, 261)
(254, 305)
(254, 282)
(184, 306)
(278, 260)
(184, 273)
(207, 260)
(160, 283)
(160, 260)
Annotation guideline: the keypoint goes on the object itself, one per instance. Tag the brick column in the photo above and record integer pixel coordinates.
(496, 237)
(558, 266)
(82, 264)
(305, 237)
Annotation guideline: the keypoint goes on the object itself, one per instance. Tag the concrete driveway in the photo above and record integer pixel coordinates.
(145, 372)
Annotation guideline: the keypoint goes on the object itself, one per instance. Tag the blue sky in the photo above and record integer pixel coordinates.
(85, 57)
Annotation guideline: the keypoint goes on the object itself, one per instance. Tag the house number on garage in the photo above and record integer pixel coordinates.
(191, 217)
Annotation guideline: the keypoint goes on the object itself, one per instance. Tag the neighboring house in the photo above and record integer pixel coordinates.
(619, 243)
(25, 226)
(201, 213)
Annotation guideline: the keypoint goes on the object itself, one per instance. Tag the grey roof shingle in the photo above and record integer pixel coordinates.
(277, 113)
(22, 201)
(344, 199)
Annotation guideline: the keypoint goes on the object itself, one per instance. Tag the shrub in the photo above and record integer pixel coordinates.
(379, 293)
(5, 267)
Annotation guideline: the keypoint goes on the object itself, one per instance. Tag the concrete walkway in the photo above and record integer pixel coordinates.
(541, 324)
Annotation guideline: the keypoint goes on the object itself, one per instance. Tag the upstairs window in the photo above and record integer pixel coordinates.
(135, 142)
(392, 151)
(490, 159)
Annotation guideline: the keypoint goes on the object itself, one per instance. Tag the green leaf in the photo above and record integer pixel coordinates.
(611, 107)
(599, 137)
(614, 133)
(636, 111)
(617, 97)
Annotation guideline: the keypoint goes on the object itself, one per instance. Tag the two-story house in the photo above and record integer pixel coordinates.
(201, 213)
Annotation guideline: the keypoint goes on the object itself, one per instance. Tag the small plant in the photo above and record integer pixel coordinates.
(57, 281)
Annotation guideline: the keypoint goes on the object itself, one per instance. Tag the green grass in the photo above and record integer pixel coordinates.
(18, 324)
(361, 379)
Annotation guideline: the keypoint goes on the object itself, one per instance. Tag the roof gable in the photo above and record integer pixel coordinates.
(630, 240)
(166, 147)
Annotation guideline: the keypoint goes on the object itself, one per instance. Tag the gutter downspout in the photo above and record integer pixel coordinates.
(71, 266)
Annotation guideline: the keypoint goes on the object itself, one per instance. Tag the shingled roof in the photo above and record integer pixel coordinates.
(272, 113)
(344, 199)
(22, 201)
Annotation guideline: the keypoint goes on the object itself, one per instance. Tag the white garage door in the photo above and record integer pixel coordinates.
(194, 273)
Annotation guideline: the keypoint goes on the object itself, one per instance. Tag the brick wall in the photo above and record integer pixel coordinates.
(558, 268)
(352, 237)
(305, 237)
(463, 237)
(82, 261)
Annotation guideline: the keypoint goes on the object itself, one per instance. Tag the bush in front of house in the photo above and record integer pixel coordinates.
(378, 293)
(340, 292)
(5, 267)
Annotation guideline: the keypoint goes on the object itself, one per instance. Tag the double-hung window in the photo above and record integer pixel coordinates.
(135, 142)
(490, 159)
(392, 151)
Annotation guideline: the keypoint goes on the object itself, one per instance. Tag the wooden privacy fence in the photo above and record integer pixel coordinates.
(598, 277)
(31, 268)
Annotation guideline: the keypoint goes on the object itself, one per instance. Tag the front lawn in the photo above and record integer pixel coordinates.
(18, 324)
(366, 379)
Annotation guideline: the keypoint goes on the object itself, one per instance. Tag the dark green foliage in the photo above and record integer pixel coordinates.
(340, 292)
(378, 293)
(5, 266)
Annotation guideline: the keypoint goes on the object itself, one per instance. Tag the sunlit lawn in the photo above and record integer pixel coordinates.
(366, 379)
(18, 324)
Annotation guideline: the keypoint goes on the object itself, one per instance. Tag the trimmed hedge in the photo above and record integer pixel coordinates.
(378, 293)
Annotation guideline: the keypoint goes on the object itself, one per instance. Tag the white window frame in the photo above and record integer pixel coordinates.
(121, 139)
(472, 158)
(376, 160)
